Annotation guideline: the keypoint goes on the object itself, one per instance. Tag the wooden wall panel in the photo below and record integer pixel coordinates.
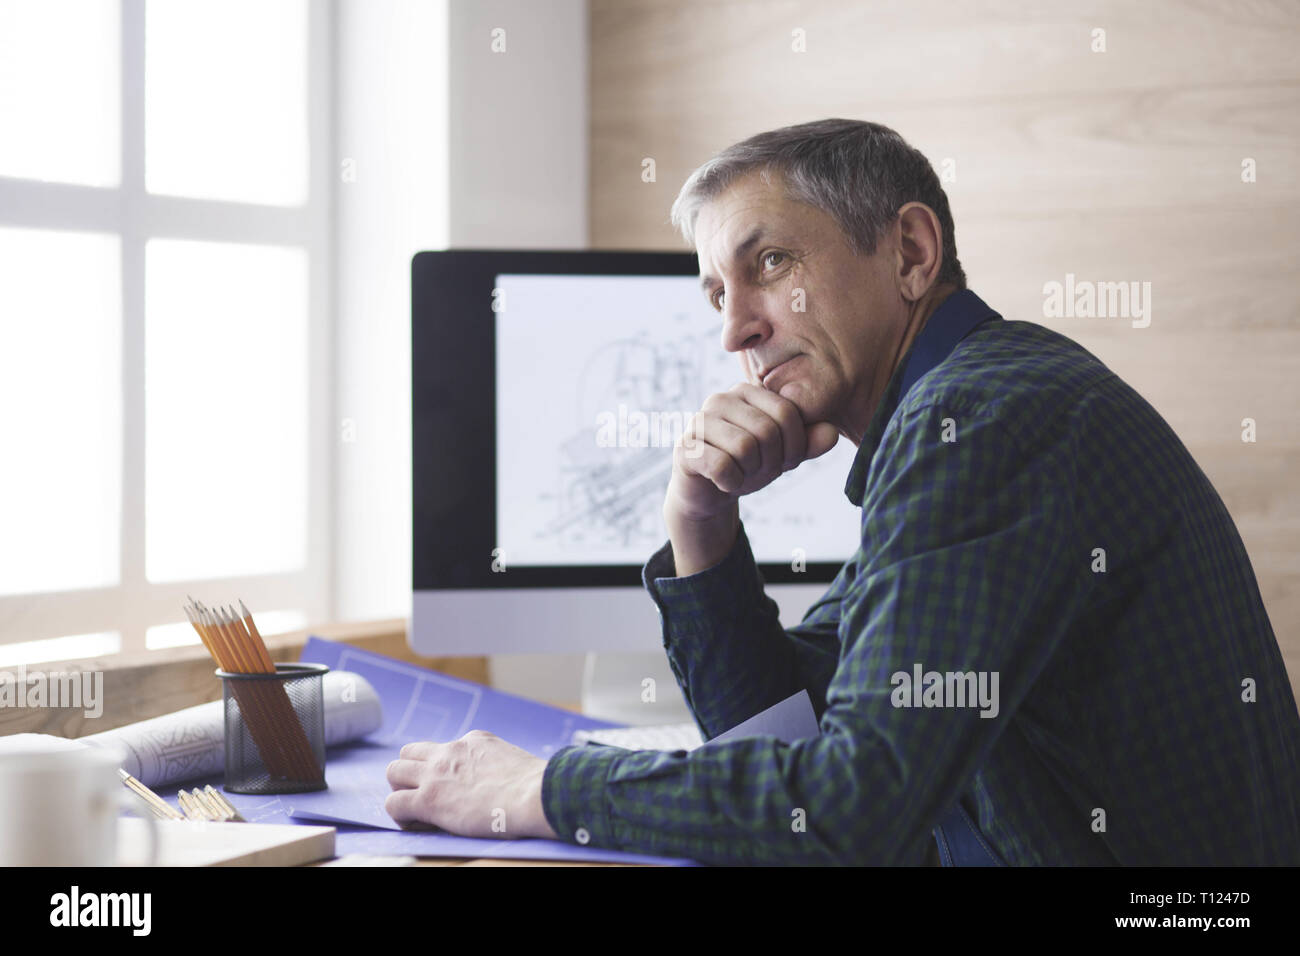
(1115, 166)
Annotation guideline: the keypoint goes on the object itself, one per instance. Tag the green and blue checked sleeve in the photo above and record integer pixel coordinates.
(725, 643)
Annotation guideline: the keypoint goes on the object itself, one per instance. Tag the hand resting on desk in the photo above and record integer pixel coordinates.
(477, 786)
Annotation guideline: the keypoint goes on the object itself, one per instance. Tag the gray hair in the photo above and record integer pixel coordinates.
(859, 173)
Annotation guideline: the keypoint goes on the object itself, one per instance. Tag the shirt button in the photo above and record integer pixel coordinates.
(582, 836)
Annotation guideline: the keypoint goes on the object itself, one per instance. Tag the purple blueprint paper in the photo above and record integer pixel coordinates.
(420, 704)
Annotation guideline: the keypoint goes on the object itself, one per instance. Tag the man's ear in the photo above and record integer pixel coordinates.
(920, 249)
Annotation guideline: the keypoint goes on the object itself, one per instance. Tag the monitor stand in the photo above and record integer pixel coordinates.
(613, 685)
(633, 689)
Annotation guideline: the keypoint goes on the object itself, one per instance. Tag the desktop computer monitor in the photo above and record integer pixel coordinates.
(548, 390)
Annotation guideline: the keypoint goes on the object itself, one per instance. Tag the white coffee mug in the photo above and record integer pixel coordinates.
(60, 808)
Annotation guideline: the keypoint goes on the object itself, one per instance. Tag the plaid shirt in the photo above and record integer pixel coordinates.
(1024, 512)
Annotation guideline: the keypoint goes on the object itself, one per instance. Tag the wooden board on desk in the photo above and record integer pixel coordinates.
(199, 843)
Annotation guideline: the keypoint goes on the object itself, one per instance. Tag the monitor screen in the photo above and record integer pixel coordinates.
(597, 377)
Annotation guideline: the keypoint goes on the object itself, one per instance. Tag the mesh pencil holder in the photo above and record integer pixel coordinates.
(275, 729)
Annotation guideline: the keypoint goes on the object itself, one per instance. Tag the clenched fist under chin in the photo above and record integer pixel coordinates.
(741, 440)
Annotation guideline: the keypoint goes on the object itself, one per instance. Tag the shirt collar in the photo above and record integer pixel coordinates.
(951, 322)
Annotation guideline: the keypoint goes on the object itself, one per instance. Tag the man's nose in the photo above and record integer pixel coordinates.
(744, 324)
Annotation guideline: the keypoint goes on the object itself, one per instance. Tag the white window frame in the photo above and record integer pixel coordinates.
(136, 216)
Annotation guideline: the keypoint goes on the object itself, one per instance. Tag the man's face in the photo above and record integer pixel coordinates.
(762, 258)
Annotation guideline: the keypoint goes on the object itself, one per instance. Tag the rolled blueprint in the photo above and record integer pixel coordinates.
(191, 743)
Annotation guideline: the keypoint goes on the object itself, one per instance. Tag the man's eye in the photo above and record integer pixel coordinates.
(780, 257)
(717, 299)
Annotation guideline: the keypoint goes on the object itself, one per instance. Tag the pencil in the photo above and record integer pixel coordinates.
(247, 620)
(160, 807)
(191, 812)
(214, 812)
(200, 807)
(220, 798)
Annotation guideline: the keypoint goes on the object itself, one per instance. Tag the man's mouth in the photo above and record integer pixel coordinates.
(772, 372)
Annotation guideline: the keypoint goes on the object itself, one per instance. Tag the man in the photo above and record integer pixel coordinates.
(1049, 648)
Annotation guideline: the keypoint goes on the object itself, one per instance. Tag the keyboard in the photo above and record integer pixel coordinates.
(660, 737)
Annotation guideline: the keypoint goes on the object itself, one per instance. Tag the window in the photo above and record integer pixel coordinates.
(164, 318)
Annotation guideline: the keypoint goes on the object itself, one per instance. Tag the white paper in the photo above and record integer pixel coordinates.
(790, 720)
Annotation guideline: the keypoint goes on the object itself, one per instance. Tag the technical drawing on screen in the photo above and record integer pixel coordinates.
(597, 377)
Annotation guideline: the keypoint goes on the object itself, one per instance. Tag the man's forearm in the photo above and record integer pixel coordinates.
(725, 642)
(744, 802)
